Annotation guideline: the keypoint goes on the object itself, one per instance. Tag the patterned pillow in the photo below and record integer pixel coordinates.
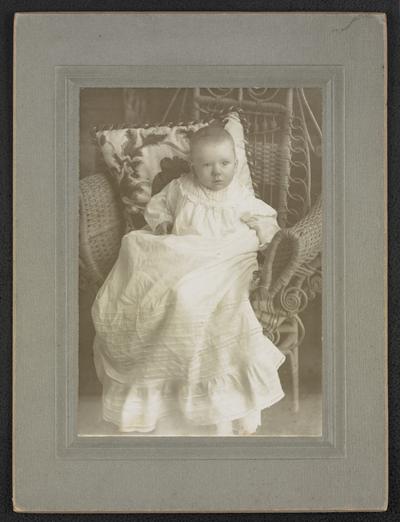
(143, 160)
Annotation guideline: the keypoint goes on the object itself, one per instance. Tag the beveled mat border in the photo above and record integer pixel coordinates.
(69, 81)
(44, 482)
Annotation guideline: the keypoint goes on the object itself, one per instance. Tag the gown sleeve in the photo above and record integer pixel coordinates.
(265, 215)
(161, 207)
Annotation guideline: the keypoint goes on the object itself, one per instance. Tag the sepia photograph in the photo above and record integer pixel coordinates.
(200, 247)
(200, 303)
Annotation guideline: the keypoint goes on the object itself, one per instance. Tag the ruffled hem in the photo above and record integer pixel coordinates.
(223, 398)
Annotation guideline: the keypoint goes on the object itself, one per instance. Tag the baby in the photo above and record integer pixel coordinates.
(214, 164)
(175, 331)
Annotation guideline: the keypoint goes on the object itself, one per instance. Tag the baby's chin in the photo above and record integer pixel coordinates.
(217, 186)
(217, 189)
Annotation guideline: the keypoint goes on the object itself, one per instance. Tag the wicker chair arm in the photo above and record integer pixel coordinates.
(101, 226)
(291, 250)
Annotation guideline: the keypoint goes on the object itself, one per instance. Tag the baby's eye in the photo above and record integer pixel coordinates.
(226, 163)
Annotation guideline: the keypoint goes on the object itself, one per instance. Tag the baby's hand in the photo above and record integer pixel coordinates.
(163, 228)
(264, 227)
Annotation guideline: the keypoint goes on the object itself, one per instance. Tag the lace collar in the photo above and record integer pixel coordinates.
(226, 196)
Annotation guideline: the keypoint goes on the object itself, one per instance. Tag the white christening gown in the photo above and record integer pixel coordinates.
(175, 329)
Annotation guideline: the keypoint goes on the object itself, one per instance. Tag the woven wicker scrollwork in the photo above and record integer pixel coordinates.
(314, 284)
(273, 335)
(290, 272)
(100, 229)
(293, 300)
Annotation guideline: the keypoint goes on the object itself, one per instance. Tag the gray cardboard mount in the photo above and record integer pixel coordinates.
(54, 470)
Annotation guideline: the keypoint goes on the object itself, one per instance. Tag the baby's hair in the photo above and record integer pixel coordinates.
(211, 134)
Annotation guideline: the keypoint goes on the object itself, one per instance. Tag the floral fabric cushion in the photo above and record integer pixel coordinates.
(143, 160)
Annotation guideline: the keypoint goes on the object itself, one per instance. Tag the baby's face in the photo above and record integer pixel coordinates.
(214, 164)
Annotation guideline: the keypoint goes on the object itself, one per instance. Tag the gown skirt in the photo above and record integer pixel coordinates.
(175, 331)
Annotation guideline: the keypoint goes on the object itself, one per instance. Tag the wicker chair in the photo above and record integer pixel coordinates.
(290, 273)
